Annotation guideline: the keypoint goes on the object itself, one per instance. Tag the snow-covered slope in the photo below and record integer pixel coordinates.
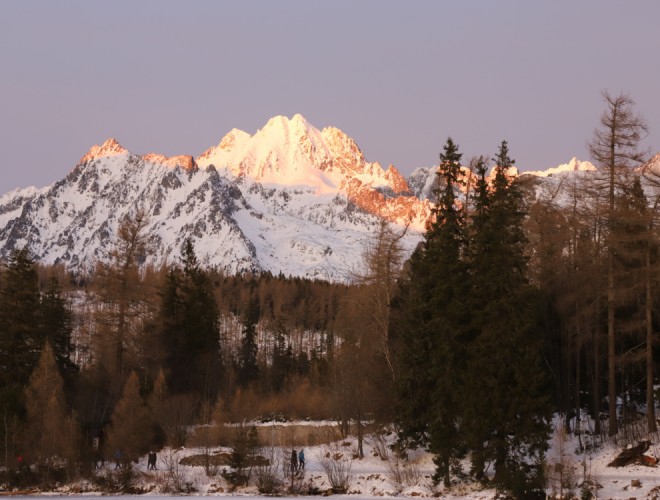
(289, 199)
(287, 153)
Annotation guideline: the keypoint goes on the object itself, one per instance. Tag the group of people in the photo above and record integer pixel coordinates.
(297, 460)
(121, 460)
(151, 460)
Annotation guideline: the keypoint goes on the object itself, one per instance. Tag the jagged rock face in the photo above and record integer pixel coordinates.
(345, 153)
(186, 162)
(423, 181)
(293, 152)
(273, 201)
(75, 220)
(397, 181)
(109, 148)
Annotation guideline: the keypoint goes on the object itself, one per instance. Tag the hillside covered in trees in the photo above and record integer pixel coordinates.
(523, 301)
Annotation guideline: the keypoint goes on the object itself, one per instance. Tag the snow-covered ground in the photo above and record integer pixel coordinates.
(373, 477)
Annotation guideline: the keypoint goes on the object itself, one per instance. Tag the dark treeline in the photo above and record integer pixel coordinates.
(128, 358)
(524, 300)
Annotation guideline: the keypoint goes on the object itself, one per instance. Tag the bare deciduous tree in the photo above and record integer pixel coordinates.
(122, 298)
(653, 178)
(615, 149)
(382, 265)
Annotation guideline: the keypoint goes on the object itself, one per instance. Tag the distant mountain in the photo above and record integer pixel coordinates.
(289, 199)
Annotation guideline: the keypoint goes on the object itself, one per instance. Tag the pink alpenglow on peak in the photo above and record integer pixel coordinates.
(574, 165)
(186, 162)
(109, 148)
(396, 180)
(292, 152)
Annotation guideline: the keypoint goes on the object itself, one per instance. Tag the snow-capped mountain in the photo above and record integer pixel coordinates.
(290, 199)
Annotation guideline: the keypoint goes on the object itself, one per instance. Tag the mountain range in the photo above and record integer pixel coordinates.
(290, 199)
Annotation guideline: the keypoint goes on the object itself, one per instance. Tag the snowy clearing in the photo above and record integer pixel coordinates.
(372, 477)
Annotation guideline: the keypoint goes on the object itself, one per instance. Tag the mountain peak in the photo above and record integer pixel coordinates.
(287, 131)
(109, 148)
(396, 180)
(574, 165)
(346, 152)
(185, 162)
(296, 121)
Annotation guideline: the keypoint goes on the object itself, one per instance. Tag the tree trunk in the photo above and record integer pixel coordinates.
(611, 340)
(596, 354)
(360, 436)
(650, 399)
(611, 352)
(578, 347)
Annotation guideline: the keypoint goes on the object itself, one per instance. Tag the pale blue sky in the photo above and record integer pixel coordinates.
(174, 76)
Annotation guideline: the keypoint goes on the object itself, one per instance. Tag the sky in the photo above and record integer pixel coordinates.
(173, 77)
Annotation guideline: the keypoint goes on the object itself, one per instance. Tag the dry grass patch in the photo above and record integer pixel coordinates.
(219, 459)
(290, 435)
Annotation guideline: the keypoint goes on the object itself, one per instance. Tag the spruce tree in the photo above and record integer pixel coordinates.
(56, 327)
(248, 370)
(189, 329)
(282, 362)
(21, 339)
(429, 325)
(506, 374)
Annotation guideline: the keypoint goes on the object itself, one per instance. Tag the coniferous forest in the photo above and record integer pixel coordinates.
(518, 305)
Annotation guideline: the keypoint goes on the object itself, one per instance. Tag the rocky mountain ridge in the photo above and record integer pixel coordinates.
(288, 199)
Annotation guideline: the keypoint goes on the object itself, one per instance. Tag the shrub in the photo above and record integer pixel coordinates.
(267, 475)
(338, 469)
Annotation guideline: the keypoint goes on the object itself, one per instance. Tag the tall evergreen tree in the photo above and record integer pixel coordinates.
(55, 322)
(471, 342)
(282, 362)
(248, 370)
(505, 357)
(430, 327)
(190, 331)
(21, 339)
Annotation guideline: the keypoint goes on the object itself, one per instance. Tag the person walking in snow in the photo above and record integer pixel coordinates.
(301, 460)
